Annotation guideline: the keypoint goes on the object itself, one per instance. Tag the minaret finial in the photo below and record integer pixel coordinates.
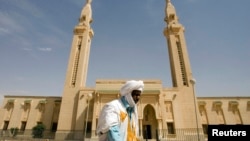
(86, 14)
(170, 13)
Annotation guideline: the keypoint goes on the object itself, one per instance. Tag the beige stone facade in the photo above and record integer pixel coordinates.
(164, 112)
(157, 112)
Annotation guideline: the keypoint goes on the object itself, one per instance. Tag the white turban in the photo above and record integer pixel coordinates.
(130, 86)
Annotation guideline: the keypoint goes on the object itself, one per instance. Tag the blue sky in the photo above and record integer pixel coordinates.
(128, 43)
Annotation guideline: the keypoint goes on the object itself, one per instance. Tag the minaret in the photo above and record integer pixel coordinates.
(185, 105)
(76, 74)
(178, 55)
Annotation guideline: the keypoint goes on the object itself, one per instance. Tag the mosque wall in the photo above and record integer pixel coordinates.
(156, 110)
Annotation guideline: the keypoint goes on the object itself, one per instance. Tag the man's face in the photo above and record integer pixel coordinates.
(136, 95)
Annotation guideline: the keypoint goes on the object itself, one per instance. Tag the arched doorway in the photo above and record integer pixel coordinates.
(149, 122)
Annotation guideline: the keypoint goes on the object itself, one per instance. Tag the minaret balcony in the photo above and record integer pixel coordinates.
(175, 27)
(79, 29)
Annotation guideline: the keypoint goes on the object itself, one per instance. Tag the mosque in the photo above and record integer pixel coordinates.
(165, 113)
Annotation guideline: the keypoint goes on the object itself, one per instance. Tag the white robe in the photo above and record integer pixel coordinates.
(114, 113)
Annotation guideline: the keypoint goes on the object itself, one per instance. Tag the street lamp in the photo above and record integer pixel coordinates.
(192, 81)
(89, 96)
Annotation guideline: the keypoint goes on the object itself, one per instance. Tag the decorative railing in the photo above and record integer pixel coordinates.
(190, 134)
